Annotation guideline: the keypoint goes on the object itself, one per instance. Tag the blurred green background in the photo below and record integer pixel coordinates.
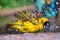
(14, 3)
(7, 4)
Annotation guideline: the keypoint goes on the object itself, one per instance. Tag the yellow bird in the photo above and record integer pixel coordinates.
(28, 26)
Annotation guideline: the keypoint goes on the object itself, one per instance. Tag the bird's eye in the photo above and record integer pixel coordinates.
(57, 3)
(47, 24)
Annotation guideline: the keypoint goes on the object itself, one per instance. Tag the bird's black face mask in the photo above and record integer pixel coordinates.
(47, 26)
(57, 3)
